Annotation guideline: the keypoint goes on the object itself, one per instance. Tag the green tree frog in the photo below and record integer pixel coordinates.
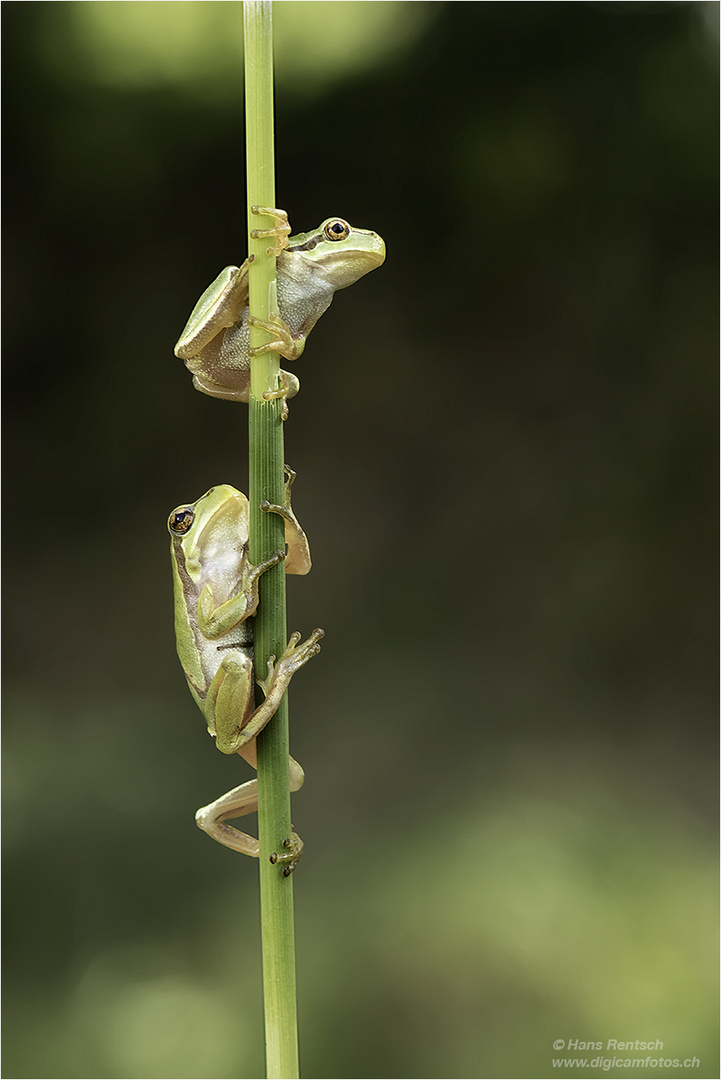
(311, 267)
(216, 593)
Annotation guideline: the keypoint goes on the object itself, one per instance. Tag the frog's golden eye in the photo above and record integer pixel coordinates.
(337, 229)
(180, 520)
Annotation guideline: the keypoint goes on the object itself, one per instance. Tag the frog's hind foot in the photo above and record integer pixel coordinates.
(292, 851)
(293, 658)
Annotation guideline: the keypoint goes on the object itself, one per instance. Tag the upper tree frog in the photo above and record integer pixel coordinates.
(215, 343)
(216, 592)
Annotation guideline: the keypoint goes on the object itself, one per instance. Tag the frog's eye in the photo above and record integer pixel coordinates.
(180, 520)
(337, 229)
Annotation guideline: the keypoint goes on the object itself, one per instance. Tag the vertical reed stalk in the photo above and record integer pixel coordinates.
(266, 536)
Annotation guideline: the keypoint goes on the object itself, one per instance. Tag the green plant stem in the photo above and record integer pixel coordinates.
(266, 536)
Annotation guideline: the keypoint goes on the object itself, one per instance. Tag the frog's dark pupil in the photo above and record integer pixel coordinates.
(337, 227)
(182, 521)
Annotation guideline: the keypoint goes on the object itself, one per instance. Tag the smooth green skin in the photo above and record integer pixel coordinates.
(216, 593)
(311, 267)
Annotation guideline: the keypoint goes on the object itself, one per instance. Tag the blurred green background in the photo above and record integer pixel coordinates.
(505, 447)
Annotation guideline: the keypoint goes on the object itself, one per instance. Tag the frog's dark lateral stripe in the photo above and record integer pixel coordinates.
(247, 646)
(188, 586)
(201, 691)
(183, 574)
(307, 246)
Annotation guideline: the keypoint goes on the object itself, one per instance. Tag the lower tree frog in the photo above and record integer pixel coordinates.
(216, 593)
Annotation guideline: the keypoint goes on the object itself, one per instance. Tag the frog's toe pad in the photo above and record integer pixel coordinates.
(296, 655)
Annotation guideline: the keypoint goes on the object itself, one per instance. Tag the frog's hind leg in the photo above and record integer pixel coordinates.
(244, 800)
(230, 696)
(212, 818)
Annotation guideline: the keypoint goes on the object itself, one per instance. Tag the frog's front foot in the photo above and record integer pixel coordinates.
(281, 229)
(284, 511)
(292, 851)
